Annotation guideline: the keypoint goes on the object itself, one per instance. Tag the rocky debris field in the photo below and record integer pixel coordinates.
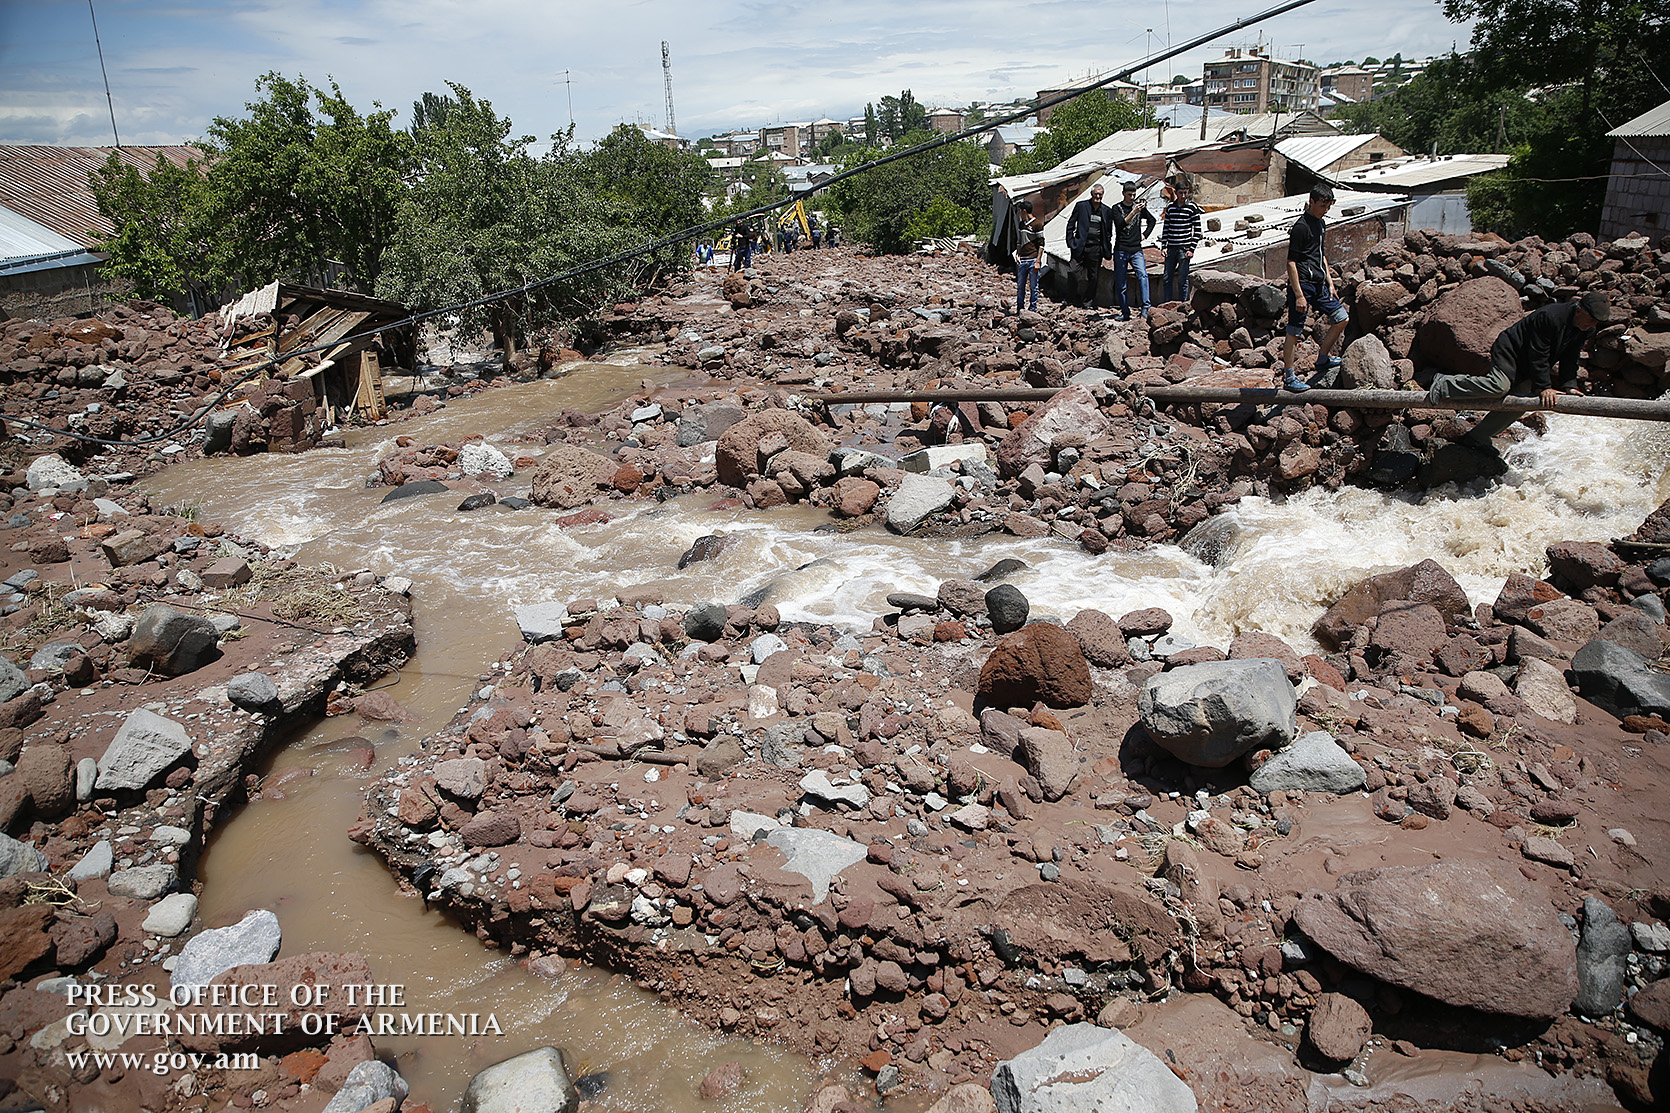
(150, 662)
(931, 845)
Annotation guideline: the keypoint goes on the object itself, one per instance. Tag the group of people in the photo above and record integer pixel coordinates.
(1536, 355)
(748, 237)
(1097, 232)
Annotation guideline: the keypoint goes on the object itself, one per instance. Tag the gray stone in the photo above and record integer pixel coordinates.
(534, 1082)
(764, 646)
(143, 748)
(745, 825)
(143, 882)
(113, 626)
(1211, 713)
(705, 623)
(52, 471)
(171, 915)
(86, 776)
(55, 655)
(943, 455)
(912, 626)
(1543, 688)
(1650, 605)
(1314, 763)
(541, 622)
(1007, 607)
(12, 681)
(252, 941)
(918, 497)
(1602, 953)
(477, 458)
(371, 1082)
(1367, 365)
(706, 422)
(217, 428)
(1082, 1068)
(1652, 938)
(857, 461)
(19, 857)
(172, 642)
(462, 777)
(815, 854)
(418, 487)
(97, 862)
(817, 784)
(1620, 681)
(254, 691)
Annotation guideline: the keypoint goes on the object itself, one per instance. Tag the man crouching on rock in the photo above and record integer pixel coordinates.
(1522, 361)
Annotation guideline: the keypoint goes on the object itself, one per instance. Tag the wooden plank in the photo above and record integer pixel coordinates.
(329, 334)
(370, 398)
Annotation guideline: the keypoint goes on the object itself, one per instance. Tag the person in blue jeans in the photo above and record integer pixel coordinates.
(1029, 244)
(1179, 235)
(1310, 285)
(1131, 224)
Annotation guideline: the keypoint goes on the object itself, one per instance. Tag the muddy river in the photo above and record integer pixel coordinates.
(1279, 565)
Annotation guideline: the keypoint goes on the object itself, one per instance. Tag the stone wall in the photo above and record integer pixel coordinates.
(1638, 193)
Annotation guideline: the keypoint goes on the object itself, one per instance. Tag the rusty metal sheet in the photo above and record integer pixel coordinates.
(49, 185)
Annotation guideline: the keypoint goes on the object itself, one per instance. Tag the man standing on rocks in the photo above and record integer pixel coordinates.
(1180, 235)
(1522, 361)
(742, 245)
(1028, 247)
(1090, 239)
(1131, 223)
(1310, 285)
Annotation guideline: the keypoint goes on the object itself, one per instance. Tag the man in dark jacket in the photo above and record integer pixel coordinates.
(1131, 224)
(1524, 358)
(1090, 239)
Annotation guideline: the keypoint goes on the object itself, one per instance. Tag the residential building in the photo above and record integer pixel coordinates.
(946, 120)
(1436, 185)
(1248, 79)
(1121, 89)
(783, 139)
(1303, 160)
(817, 130)
(664, 138)
(1161, 96)
(1638, 190)
(1350, 81)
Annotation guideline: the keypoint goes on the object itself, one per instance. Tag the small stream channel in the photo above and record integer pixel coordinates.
(1587, 479)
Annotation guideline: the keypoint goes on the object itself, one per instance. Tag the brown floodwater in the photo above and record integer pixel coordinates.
(289, 852)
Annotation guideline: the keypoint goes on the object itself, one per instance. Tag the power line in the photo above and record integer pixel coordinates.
(681, 237)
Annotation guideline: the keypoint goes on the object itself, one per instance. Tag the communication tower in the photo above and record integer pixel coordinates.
(667, 74)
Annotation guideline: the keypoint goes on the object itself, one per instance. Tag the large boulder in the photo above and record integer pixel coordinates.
(19, 857)
(1426, 582)
(1367, 365)
(1314, 763)
(251, 941)
(915, 499)
(145, 746)
(1211, 713)
(1072, 412)
(737, 453)
(13, 682)
(172, 642)
(1620, 681)
(315, 969)
(706, 422)
(569, 477)
(1473, 933)
(1082, 1067)
(1037, 662)
(1456, 333)
(367, 1084)
(534, 1082)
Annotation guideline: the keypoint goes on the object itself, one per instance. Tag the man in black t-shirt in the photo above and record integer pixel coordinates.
(1310, 285)
(1524, 358)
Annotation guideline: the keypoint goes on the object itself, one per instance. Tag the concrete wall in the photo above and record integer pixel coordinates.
(1637, 194)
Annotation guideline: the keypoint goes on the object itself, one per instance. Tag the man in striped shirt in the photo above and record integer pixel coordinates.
(1180, 235)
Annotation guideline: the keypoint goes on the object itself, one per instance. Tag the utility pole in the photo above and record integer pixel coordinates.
(667, 73)
(1501, 125)
(568, 82)
(106, 73)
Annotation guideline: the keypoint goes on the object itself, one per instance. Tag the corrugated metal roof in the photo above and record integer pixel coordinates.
(1229, 243)
(1415, 171)
(1318, 152)
(22, 238)
(1653, 122)
(75, 258)
(49, 184)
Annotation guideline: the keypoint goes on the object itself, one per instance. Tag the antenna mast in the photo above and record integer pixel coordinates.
(667, 73)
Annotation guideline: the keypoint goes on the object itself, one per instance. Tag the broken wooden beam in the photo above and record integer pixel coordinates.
(1583, 405)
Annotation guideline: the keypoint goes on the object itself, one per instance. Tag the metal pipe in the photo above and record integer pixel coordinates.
(1638, 409)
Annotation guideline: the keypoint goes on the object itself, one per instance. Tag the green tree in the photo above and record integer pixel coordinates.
(302, 179)
(162, 235)
(1180, 79)
(660, 190)
(872, 126)
(943, 187)
(900, 115)
(1081, 122)
(430, 110)
(485, 216)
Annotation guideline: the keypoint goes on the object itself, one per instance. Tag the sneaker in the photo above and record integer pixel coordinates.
(1293, 383)
(1327, 363)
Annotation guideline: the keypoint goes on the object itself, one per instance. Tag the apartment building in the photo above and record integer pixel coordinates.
(1352, 82)
(1249, 80)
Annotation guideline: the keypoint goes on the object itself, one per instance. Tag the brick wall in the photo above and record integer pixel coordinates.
(1637, 194)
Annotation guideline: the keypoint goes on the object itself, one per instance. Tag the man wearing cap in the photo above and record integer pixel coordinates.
(1090, 239)
(1131, 224)
(1523, 360)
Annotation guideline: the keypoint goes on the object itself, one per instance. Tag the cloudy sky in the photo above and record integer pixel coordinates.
(176, 64)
